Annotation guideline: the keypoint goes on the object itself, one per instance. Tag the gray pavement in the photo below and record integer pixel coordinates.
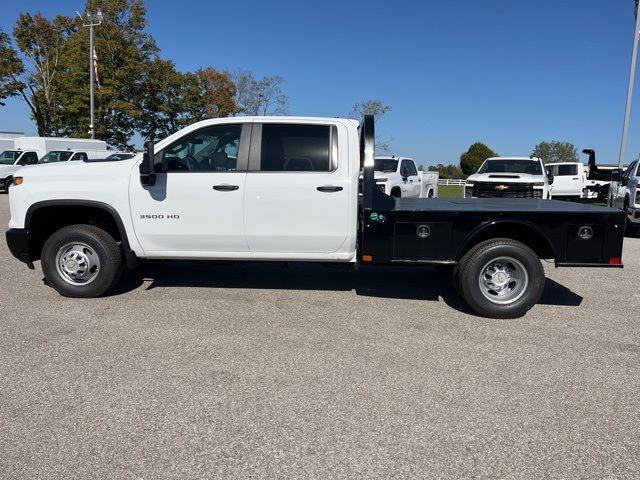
(254, 371)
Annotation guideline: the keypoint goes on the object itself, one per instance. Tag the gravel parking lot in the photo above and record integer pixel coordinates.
(268, 371)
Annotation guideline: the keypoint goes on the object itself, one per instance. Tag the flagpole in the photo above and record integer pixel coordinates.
(95, 19)
(632, 72)
(92, 129)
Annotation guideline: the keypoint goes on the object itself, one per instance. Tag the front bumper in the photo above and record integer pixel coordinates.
(18, 243)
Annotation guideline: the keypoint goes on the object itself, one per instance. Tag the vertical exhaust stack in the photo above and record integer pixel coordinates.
(367, 154)
(372, 198)
(593, 169)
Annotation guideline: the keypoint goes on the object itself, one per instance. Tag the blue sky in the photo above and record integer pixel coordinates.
(510, 73)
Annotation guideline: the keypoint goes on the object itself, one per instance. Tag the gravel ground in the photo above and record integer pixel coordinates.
(267, 371)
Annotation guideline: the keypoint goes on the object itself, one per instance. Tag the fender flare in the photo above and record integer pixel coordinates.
(496, 223)
(82, 203)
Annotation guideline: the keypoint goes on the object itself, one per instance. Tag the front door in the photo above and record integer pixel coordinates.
(412, 185)
(297, 191)
(196, 203)
(566, 180)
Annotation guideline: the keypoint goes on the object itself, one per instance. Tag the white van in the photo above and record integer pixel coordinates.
(44, 145)
(55, 156)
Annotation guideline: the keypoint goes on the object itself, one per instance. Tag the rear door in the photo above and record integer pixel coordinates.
(296, 198)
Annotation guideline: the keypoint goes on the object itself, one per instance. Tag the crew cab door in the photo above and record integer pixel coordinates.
(412, 183)
(195, 206)
(623, 187)
(567, 180)
(296, 198)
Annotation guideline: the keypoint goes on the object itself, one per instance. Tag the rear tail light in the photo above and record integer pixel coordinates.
(615, 261)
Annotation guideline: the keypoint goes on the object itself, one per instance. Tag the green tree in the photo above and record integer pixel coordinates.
(447, 171)
(125, 54)
(41, 43)
(471, 160)
(171, 100)
(555, 151)
(11, 67)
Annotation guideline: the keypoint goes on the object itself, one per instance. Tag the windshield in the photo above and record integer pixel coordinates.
(8, 157)
(56, 156)
(385, 165)
(531, 167)
(120, 156)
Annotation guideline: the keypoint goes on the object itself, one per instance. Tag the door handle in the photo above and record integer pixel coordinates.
(329, 188)
(225, 188)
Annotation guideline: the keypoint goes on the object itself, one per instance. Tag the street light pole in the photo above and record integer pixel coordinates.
(632, 73)
(94, 19)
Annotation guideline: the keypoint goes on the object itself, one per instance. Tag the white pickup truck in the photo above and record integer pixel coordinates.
(400, 177)
(624, 193)
(509, 177)
(286, 189)
(578, 180)
(11, 161)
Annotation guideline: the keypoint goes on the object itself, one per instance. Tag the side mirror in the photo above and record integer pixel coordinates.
(147, 175)
(625, 181)
(550, 177)
(616, 175)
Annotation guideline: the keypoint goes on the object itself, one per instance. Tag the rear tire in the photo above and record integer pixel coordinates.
(81, 261)
(500, 278)
(7, 183)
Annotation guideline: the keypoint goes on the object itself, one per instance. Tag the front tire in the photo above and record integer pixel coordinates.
(81, 261)
(7, 183)
(500, 278)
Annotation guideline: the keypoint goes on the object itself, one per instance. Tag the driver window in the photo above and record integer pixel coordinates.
(211, 149)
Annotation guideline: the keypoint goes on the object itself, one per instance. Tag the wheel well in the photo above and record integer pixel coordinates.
(395, 190)
(44, 221)
(519, 232)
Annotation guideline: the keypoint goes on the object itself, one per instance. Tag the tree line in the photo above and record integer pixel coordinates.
(471, 160)
(46, 63)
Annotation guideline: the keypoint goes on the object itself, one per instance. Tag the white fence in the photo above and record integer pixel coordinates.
(450, 181)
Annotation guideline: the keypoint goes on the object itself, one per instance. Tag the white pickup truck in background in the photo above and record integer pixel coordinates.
(579, 180)
(400, 177)
(625, 195)
(509, 177)
(11, 161)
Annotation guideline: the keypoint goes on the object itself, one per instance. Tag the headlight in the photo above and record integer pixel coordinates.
(468, 190)
(538, 184)
(637, 197)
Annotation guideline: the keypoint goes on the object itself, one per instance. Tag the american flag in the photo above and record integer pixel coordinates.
(95, 66)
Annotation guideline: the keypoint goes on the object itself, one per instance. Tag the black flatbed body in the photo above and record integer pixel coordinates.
(440, 231)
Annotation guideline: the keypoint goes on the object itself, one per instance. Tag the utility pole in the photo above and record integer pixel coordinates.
(632, 73)
(94, 19)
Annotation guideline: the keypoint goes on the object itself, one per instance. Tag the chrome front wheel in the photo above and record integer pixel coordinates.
(77, 263)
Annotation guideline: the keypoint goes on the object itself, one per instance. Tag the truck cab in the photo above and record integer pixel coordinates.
(569, 179)
(509, 177)
(11, 161)
(398, 176)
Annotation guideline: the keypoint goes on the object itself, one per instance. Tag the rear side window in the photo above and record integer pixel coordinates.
(80, 156)
(295, 148)
(567, 170)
